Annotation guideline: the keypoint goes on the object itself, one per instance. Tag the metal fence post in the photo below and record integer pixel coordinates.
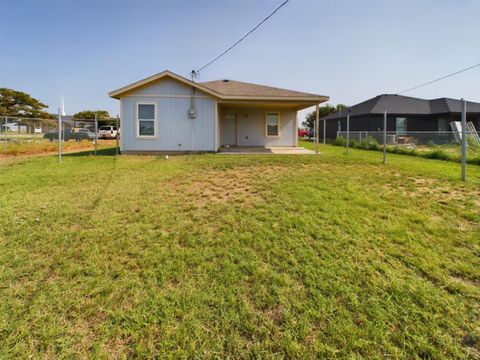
(5, 136)
(59, 135)
(96, 134)
(316, 132)
(348, 130)
(464, 139)
(385, 137)
(324, 131)
(116, 137)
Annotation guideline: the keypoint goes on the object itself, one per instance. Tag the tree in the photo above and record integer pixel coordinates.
(322, 111)
(90, 115)
(103, 117)
(20, 104)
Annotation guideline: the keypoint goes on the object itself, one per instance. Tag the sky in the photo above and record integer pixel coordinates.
(349, 50)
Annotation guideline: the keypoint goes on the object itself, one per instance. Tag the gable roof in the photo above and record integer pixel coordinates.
(232, 88)
(226, 89)
(144, 82)
(399, 104)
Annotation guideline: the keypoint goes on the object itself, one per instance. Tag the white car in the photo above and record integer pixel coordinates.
(107, 132)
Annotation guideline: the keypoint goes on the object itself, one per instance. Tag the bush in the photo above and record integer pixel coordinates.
(402, 151)
(437, 154)
(369, 143)
(353, 143)
(340, 141)
(472, 143)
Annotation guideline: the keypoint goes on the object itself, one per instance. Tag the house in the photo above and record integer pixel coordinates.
(169, 113)
(14, 127)
(403, 114)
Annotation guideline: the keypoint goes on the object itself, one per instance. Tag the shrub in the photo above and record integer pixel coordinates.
(340, 141)
(472, 143)
(369, 143)
(437, 154)
(353, 143)
(402, 151)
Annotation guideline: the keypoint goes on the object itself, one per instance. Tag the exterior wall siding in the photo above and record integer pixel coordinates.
(174, 129)
(251, 127)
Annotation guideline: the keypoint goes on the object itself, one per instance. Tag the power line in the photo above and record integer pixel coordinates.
(441, 78)
(196, 72)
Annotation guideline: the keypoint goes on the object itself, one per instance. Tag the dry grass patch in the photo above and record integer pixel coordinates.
(243, 185)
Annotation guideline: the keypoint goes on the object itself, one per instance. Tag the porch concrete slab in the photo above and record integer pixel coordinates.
(286, 150)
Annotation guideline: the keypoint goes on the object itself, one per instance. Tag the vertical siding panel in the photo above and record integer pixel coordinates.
(174, 127)
(254, 125)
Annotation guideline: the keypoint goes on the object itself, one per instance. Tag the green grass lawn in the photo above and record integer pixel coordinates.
(38, 145)
(230, 256)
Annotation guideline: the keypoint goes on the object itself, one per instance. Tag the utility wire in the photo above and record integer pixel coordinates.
(196, 72)
(441, 78)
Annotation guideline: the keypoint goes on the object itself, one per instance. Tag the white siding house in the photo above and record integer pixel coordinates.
(168, 113)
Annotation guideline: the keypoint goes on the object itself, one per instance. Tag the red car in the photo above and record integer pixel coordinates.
(302, 132)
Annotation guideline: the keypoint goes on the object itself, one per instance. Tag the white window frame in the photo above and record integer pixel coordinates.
(266, 124)
(447, 124)
(137, 121)
(405, 120)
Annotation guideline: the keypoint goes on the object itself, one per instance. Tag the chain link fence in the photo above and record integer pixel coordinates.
(431, 144)
(461, 145)
(33, 136)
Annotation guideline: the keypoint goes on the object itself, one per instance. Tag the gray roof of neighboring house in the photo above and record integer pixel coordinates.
(399, 104)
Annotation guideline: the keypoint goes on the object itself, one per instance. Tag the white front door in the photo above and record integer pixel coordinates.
(249, 131)
(230, 129)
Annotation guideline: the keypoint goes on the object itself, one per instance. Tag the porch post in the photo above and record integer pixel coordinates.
(316, 130)
(324, 131)
(464, 139)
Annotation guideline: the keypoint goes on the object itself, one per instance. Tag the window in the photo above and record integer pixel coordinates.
(401, 125)
(273, 123)
(443, 124)
(146, 120)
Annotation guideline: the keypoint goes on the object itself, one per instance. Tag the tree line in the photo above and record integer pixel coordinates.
(19, 104)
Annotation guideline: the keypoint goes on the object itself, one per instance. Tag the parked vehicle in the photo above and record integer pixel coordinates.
(107, 132)
(69, 134)
(302, 132)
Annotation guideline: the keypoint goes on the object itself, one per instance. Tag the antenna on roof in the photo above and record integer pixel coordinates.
(194, 74)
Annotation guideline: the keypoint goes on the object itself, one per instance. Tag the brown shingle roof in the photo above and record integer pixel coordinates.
(238, 88)
(227, 89)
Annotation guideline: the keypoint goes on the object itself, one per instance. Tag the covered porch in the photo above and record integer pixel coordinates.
(245, 150)
(261, 125)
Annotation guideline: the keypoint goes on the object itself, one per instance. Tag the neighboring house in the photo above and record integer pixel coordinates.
(403, 114)
(13, 127)
(169, 113)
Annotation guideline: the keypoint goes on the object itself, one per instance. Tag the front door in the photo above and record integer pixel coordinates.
(249, 130)
(230, 129)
